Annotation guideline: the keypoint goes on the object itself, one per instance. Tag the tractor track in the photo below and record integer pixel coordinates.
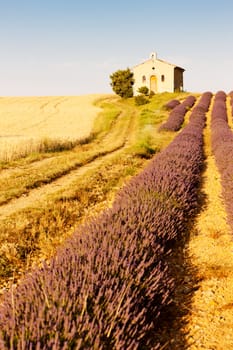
(36, 196)
(41, 193)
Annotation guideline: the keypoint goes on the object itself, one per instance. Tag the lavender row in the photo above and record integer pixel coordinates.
(231, 102)
(172, 104)
(108, 286)
(176, 116)
(222, 147)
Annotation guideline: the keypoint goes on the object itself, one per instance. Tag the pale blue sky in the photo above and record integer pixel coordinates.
(68, 47)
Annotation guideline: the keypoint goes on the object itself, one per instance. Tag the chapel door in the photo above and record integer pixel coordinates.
(153, 83)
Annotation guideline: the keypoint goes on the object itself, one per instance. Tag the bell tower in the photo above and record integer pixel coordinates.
(153, 56)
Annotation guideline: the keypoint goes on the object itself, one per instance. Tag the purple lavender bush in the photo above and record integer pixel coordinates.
(176, 116)
(172, 104)
(108, 286)
(222, 147)
(231, 101)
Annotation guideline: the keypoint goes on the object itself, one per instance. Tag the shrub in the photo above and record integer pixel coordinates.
(151, 94)
(143, 90)
(140, 100)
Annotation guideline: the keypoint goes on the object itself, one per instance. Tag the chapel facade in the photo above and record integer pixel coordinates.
(158, 75)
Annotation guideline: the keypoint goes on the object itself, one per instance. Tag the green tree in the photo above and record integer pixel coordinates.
(122, 83)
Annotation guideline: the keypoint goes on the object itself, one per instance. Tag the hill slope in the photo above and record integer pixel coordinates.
(43, 207)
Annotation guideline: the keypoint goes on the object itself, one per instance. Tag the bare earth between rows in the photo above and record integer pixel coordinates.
(210, 249)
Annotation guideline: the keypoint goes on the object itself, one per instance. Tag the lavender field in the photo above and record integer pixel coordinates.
(110, 284)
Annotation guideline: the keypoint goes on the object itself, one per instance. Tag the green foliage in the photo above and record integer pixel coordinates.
(122, 83)
(151, 94)
(143, 90)
(148, 140)
(143, 148)
(105, 119)
(140, 100)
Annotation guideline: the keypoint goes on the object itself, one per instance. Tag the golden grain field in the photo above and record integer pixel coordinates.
(26, 121)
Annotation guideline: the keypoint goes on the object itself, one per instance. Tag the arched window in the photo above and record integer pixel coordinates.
(143, 78)
(162, 77)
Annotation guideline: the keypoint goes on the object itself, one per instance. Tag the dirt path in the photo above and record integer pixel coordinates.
(36, 165)
(38, 195)
(41, 194)
(210, 249)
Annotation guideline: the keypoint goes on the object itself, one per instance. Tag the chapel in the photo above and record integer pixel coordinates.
(158, 75)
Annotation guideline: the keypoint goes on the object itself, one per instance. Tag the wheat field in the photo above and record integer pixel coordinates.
(26, 121)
